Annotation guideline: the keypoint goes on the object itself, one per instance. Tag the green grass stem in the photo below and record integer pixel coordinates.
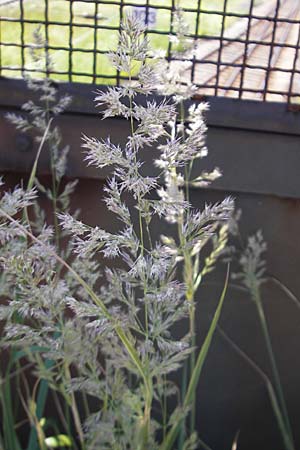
(169, 442)
(288, 443)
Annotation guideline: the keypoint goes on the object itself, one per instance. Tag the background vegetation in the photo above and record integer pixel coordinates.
(108, 15)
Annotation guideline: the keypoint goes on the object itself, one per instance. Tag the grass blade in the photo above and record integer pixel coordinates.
(168, 444)
(10, 437)
(34, 167)
(288, 444)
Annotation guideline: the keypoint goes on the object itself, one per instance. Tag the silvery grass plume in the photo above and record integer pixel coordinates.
(39, 113)
(185, 145)
(113, 340)
(252, 264)
(172, 74)
(30, 284)
(252, 275)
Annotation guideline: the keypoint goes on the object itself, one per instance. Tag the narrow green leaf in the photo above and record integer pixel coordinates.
(205, 347)
(288, 443)
(41, 397)
(34, 167)
(33, 349)
(168, 443)
(8, 425)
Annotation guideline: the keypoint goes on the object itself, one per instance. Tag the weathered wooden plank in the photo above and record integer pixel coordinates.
(251, 161)
(224, 112)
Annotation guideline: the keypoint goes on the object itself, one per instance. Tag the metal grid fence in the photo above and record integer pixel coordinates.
(241, 48)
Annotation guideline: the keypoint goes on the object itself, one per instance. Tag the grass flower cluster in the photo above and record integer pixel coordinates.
(93, 315)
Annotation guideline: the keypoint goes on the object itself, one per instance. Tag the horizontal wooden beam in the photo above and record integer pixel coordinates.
(256, 145)
(224, 112)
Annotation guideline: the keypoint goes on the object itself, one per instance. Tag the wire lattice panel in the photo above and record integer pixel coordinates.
(241, 48)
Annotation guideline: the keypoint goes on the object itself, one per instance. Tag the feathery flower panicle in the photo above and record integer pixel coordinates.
(133, 45)
(252, 263)
(73, 226)
(172, 196)
(111, 99)
(114, 203)
(103, 153)
(206, 178)
(114, 326)
(39, 116)
(153, 118)
(182, 43)
(171, 75)
(17, 200)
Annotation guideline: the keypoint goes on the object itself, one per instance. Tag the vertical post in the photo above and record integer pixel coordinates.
(47, 68)
(147, 16)
(243, 68)
(197, 31)
(71, 17)
(221, 47)
(0, 48)
(268, 71)
(169, 51)
(95, 42)
(290, 93)
(22, 37)
(121, 13)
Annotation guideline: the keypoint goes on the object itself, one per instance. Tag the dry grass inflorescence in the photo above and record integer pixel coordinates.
(99, 340)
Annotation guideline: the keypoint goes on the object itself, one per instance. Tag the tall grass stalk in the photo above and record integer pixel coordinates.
(275, 372)
(124, 337)
(194, 267)
(40, 119)
(117, 343)
(288, 443)
(169, 442)
(6, 398)
(252, 276)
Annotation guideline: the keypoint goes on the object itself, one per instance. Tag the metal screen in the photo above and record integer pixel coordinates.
(241, 48)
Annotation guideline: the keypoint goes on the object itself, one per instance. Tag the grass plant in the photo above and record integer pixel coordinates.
(40, 121)
(129, 319)
(95, 316)
(252, 276)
